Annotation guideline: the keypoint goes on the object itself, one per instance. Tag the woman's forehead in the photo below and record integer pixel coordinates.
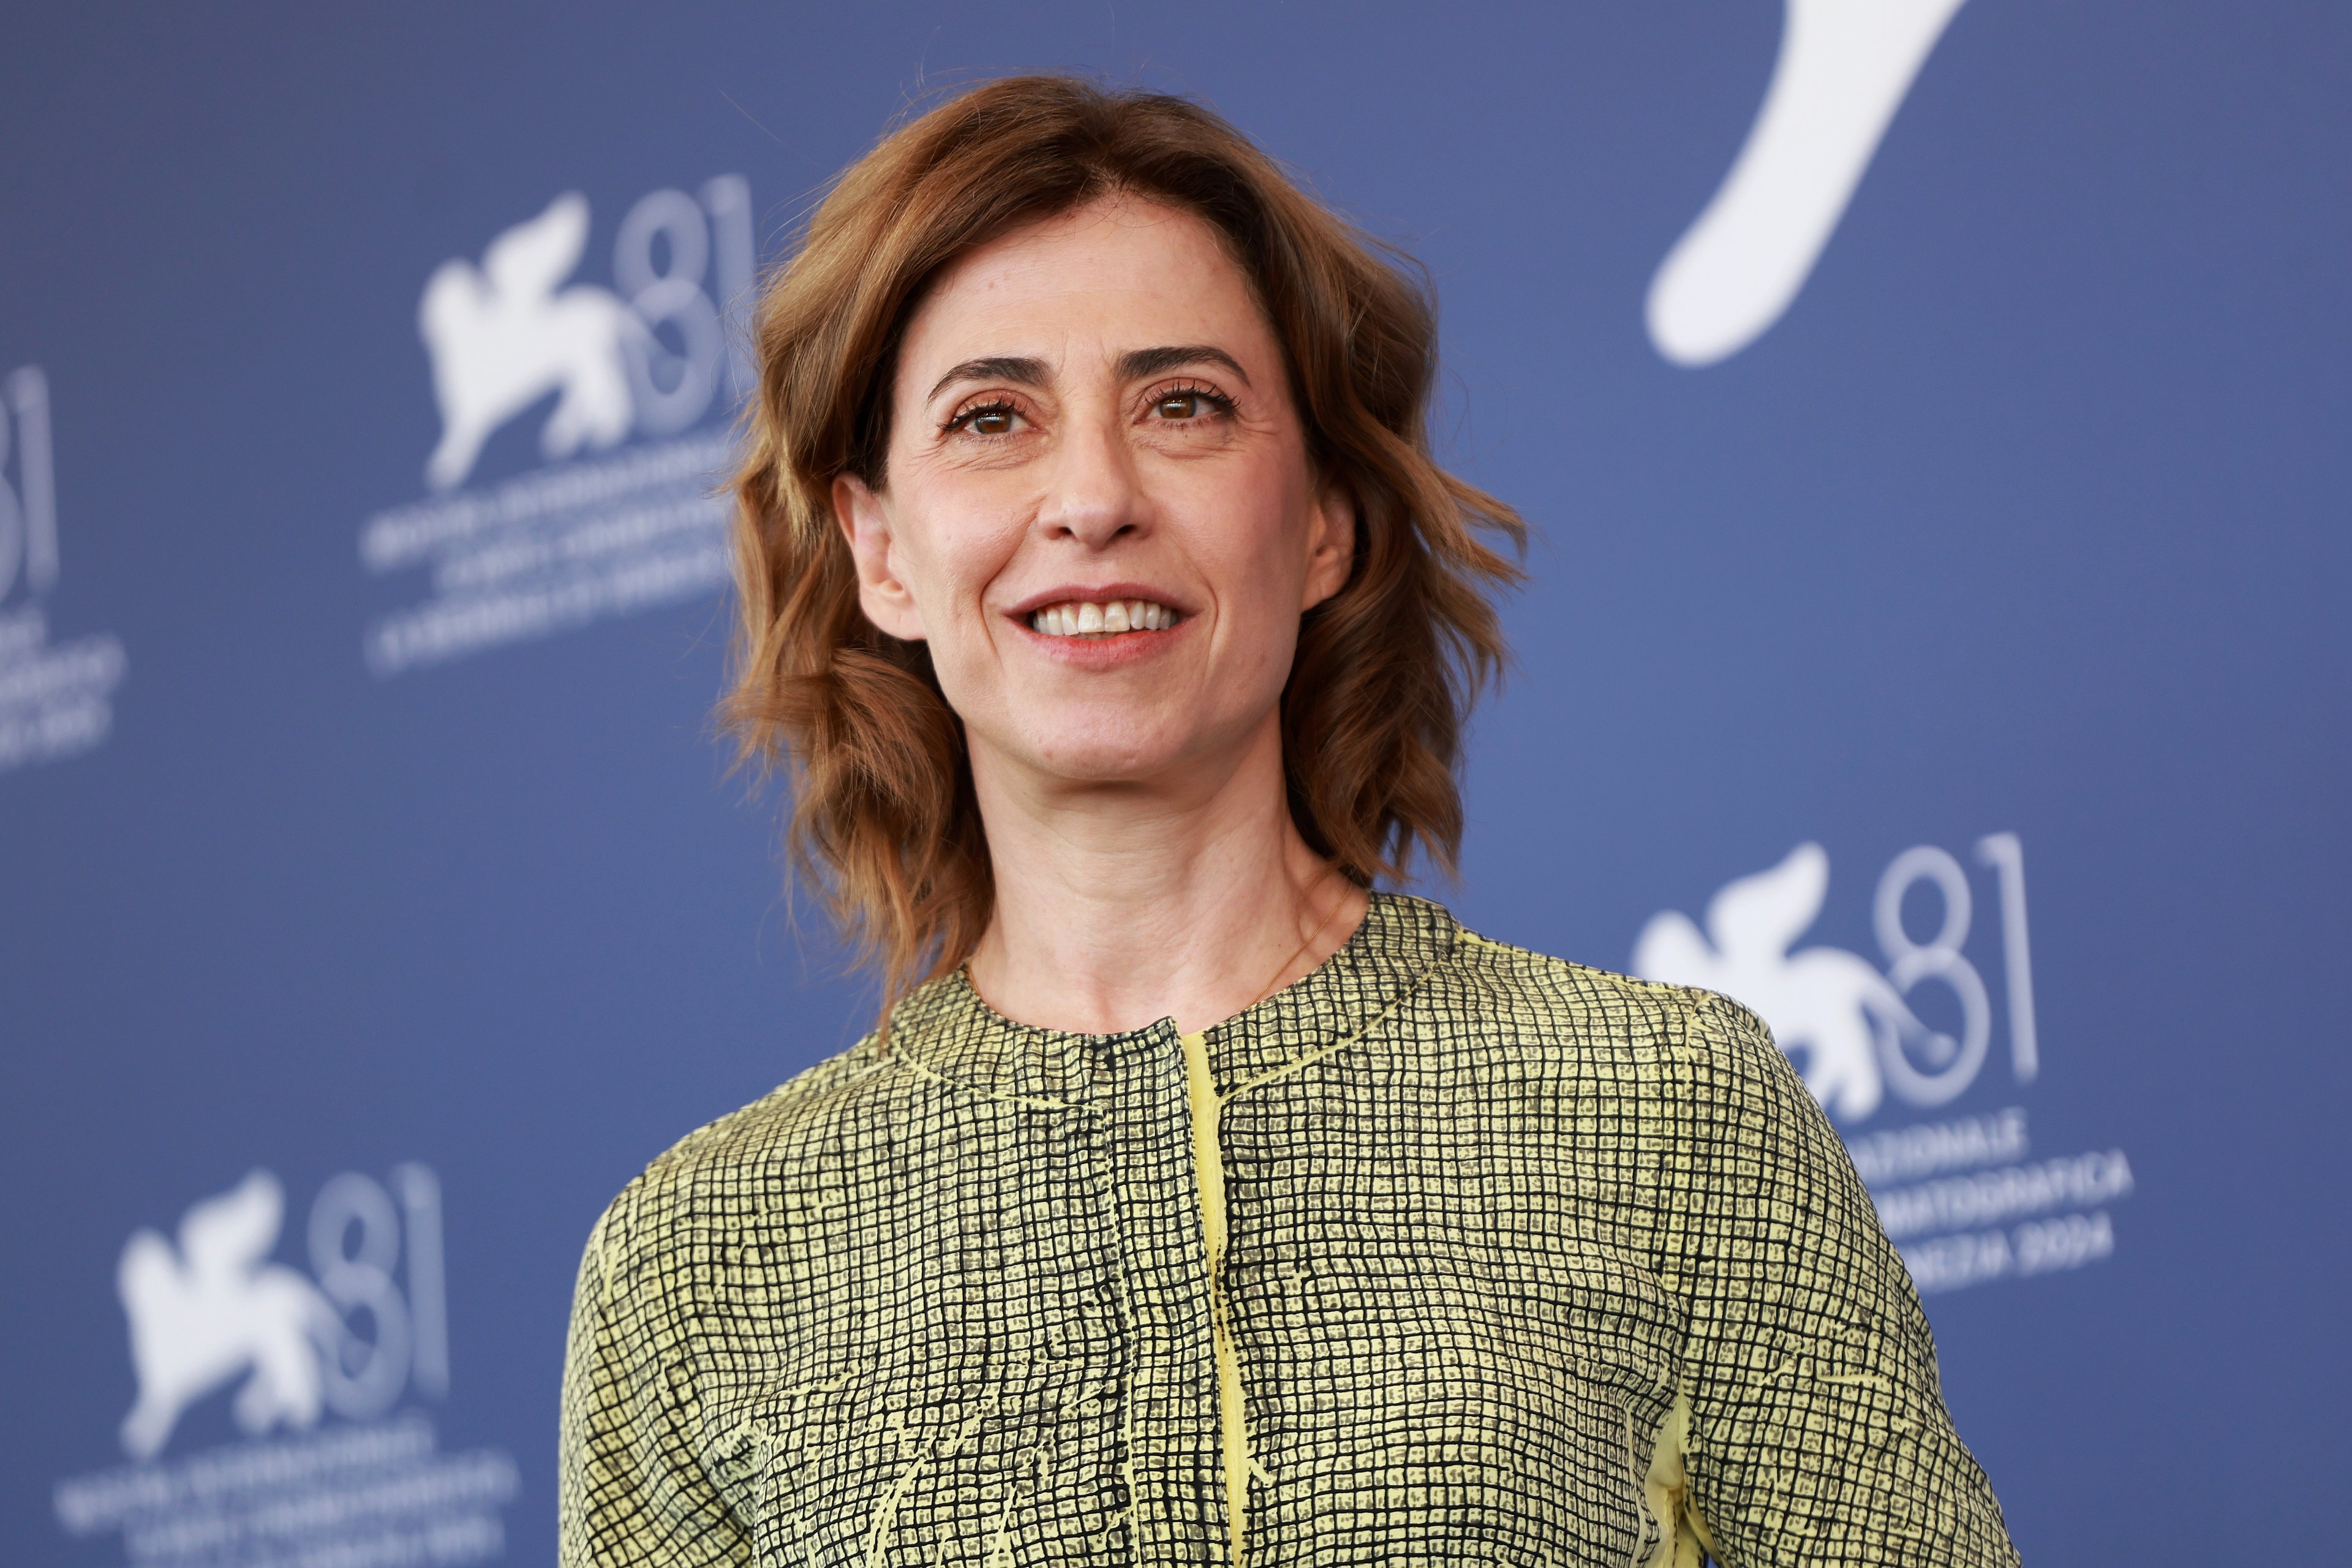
(1116, 275)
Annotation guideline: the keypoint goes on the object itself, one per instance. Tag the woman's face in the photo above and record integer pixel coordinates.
(1098, 509)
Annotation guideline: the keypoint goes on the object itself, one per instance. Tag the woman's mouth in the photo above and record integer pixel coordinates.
(1085, 618)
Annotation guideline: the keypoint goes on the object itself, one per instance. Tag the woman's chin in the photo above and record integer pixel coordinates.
(1142, 751)
(1103, 765)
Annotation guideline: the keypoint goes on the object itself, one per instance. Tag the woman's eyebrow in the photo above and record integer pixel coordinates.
(1020, 369)
(1136, 363)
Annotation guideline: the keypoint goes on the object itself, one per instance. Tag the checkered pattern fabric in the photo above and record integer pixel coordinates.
(1524, 1263)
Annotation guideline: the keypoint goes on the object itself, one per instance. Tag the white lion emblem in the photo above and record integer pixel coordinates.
(1844, 69)
(213, 1309)
(1829, 1003)
(502, 338)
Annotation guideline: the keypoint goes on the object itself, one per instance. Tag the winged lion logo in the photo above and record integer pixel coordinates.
(1831, 1004)
(212, 1309)
(502, 336)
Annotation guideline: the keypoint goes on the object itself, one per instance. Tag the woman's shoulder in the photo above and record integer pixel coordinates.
(720, 1171)
(1541, 1000)
(1702, 1064)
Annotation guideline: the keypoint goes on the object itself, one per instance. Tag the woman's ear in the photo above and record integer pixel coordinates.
(882, 593)
(1332, 543)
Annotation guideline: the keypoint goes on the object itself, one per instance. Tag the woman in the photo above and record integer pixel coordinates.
(1199, 1205)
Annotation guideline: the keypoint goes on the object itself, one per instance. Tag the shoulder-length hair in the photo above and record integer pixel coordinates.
(883, 820)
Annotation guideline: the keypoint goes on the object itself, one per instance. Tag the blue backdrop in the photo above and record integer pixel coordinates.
(375, 901)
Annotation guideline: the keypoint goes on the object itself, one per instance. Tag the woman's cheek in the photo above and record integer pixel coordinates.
(951, 579)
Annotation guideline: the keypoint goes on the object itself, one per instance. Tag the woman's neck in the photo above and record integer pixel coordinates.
(1118, 906)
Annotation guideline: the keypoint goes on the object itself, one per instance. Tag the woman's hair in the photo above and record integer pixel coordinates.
(884, 822)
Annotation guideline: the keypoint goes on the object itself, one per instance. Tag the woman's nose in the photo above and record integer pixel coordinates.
(1094, 493)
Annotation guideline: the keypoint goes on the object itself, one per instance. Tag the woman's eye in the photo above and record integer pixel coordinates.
(991, 419)
(1184, 405)
(1189, 404)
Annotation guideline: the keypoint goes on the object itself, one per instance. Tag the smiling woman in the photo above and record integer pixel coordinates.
(1193, 1201)
(1043, 349)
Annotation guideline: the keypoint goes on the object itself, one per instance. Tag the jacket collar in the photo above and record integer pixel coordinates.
(946, 1030)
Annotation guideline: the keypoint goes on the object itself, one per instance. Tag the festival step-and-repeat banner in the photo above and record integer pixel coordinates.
(1931, 418)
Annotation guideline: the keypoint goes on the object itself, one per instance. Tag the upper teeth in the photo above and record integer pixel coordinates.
(1074, 619)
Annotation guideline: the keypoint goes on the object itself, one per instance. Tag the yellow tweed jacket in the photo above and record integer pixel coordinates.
(1448, 1253)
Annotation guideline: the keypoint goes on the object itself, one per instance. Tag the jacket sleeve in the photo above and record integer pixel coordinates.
(630, 1488)
(1818, 1433)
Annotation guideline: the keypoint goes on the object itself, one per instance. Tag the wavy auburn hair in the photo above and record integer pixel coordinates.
(884, 822)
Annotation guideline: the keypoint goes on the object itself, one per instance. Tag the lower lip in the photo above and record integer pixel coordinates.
(1113, 652)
